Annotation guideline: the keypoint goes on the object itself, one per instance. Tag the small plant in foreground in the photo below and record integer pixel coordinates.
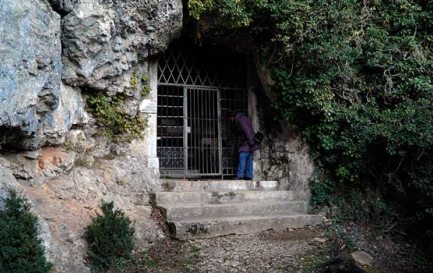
(110, 239)
(20, 249)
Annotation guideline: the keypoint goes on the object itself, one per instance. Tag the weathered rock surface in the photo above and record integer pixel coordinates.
(285, 158)
(69, 112)
(68, 204)
(7, 182)
(104, 39)
(362, 257)
(63, 7)
(105, 45)
(36, 109)
(66, 193)
(45, 163)
(52, 247)
(30, 72)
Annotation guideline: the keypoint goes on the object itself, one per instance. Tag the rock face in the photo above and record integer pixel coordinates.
(8, 182)
(363, 258)
(103, 39)
(285, 158)
(63, 7)
(52, 52)
(30, 72)
(68, 203)
(66, 186)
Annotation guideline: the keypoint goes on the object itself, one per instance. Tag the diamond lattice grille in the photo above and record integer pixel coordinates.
(195, 68)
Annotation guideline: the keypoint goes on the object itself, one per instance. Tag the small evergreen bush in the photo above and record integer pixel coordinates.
(20, 249)
(110, 239)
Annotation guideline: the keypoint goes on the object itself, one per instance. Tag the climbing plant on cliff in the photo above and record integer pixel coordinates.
(355, 77)
(116, 125)
(20, 249)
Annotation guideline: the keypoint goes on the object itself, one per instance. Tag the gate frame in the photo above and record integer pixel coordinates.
(185, 129)
(185, 88)
(246, 101)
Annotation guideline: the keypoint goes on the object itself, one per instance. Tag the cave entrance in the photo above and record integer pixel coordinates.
(197, 89)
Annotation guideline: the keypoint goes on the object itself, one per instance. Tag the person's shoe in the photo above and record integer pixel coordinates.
(237, 178)
(248, 178)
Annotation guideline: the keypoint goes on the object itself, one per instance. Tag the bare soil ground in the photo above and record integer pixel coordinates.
(297, 251)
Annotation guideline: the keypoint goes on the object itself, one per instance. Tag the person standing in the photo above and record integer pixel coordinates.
(247, 148)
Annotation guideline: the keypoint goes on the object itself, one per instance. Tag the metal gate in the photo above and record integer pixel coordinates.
(195, 98)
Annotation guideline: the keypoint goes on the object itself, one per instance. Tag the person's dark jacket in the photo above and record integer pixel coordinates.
(247, 129)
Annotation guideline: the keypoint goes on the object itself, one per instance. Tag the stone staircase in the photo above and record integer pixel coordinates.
(203, 209)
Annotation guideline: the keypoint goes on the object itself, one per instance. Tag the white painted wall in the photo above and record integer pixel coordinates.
(149, 107)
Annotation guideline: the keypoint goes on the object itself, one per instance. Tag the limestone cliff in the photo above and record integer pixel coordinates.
(53, 53)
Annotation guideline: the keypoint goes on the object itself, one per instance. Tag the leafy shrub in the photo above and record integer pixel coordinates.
(356, 78)
(20, 249)
(322, 191)
(110, 239)
(115, 124)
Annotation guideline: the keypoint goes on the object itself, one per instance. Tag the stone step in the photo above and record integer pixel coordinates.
(216, 185)
(207, 228)
(184, 212)
(220, 197)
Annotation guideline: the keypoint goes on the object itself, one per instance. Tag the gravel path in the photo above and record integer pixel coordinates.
(269, 251)
(248, 254)
(291, 251)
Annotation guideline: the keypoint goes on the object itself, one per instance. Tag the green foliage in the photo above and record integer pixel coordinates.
(110, 239)
(364, 206)
(145, 90)
(322, 191)
(356, 78)
(116, 125)
(233, 13)
(198, 7)
(134, 81)
(20, 249)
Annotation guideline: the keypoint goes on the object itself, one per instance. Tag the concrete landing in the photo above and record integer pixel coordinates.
(204, 209)
(216, 185)
(208, 228)
(221, 197)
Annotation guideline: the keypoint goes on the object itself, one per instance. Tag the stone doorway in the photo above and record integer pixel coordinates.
(197, 89)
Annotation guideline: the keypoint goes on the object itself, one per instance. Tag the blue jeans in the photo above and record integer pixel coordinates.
(245, 167)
